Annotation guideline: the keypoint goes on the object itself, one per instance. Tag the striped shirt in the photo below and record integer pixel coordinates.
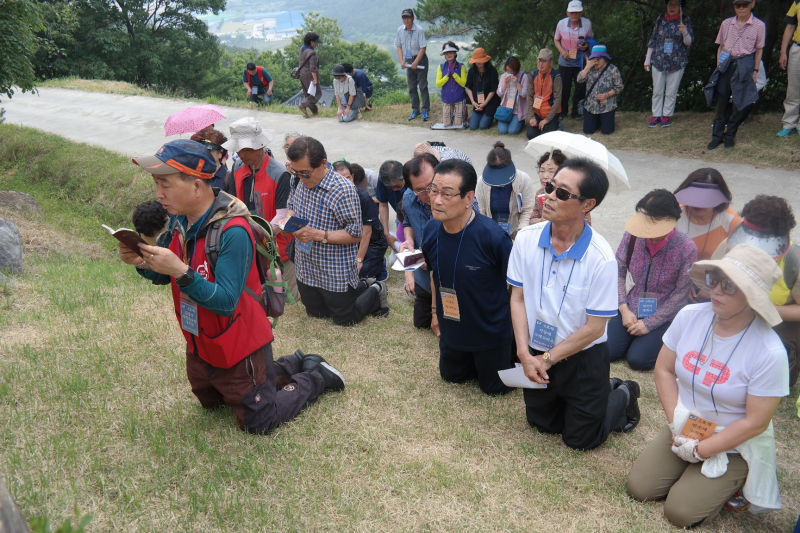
(708, 236)
(330, 205)
(741, 42)
(410, 41)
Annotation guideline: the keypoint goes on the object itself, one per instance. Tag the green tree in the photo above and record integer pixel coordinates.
(19, 19)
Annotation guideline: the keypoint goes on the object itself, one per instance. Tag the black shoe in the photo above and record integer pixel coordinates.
(614, 383)
(729, 142)
(632, 412)
(295, 359)
(311, 361)
(714, 143)
(334, 380)
(383, 306)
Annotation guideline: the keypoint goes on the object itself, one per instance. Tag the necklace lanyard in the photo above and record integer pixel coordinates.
(650, 263)
(700, 354)
(541, 282)
(458, 251)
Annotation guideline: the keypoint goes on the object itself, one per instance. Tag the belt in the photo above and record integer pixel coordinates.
(795, 43)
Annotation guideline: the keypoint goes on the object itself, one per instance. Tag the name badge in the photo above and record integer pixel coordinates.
(723, 56)
(544, 334)
(304, 247)
(669, 46)
(698, 428)
(505, 226)
(189, 316)
(647, 307)
(450, 309)
(572, 54)
(519, 201)
(537, 102)
(481, 98)
(255, 89)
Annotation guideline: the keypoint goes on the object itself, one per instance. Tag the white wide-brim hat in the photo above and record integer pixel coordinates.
(246, 133)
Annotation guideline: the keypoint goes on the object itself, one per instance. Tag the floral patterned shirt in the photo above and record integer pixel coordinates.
(611, 80)
(669, 51)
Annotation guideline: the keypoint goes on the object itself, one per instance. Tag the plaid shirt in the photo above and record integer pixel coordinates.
(330, 205)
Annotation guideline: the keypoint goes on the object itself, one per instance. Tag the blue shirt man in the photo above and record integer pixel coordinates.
(363, 83)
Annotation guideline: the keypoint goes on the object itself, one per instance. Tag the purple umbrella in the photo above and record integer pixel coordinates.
(193, 119)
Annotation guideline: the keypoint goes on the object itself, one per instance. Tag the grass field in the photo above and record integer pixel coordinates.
(687, 137)
(98, 419)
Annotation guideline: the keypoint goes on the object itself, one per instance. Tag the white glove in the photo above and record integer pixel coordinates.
(686, 449)
(675, 430)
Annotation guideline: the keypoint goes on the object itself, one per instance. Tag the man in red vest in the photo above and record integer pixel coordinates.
(544, 101)
(228, 336)
(258, 83)
(254, 180)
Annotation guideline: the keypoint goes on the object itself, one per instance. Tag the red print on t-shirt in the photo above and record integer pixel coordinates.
(691, 364)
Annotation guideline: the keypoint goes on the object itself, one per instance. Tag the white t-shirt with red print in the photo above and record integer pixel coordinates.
(757, 365)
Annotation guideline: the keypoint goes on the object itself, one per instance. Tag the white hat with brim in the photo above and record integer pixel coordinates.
(575, 7)
(753, 271)
(646, 227)
(449, 48)
(246, 133)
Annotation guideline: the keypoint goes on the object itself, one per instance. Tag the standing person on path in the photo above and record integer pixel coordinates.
(574, 39)
(308, 62)
(228, 336)
(563, 278)
(790, 62)
(326, 248)
(467, 255)
(667, 57)
(741, 44)
(258, 83)
(411, 45)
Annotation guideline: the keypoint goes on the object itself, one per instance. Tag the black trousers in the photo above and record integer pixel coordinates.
(727, 117)
(456, 366)
(533, 132)
(422, 308)
(568, 76)
(578, 402)
(344, 308)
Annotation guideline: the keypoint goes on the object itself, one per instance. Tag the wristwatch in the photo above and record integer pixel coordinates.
(359, 260)
(325, 237)
(185, 279)
(546, 357)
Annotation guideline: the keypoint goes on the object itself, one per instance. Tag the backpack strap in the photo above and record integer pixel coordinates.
(629, 251)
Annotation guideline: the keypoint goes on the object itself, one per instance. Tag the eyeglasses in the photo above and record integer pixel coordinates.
(304, 174)
(424, 190)
(561, 194)
(725, 284)
(435, 191)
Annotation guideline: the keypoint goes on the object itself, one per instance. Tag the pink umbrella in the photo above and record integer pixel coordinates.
(193, 119)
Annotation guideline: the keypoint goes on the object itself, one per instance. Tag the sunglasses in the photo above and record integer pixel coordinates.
(304, 174)
(561, 194)
(726, 285)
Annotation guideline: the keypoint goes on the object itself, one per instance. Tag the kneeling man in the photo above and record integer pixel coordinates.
(564, 283)
(467, 254)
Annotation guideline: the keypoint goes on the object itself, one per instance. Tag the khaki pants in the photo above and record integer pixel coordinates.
(691, 497)
(791, 105)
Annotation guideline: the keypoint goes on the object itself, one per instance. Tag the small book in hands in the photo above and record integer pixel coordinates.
(293, 224)
(128, 237)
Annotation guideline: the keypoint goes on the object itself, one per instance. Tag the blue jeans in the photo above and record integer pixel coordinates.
(640, 351)
(347, 117)
(479, 120)
(511, 127)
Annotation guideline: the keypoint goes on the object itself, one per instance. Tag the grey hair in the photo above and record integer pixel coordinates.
(291, 134)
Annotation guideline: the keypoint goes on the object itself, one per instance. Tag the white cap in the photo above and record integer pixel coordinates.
(575, 7)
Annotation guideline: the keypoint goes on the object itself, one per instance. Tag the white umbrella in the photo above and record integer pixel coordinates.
(575, 145)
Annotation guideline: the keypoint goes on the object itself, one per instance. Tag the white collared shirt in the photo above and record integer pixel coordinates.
(562, 289)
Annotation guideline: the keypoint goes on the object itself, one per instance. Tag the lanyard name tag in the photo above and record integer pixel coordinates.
(724, 55)
(189, 316)
(537, 102)
(544, 334)
(698, 428)
(505, 226)
(255, 89)
(669, 46)
(647, 307)
(304, 247)
(572, 54)
(450, 309)
(481, 98)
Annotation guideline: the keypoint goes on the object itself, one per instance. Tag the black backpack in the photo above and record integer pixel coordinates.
(274, 289)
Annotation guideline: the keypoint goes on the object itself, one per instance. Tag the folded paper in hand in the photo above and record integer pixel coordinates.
(408, 260)
(515, 377)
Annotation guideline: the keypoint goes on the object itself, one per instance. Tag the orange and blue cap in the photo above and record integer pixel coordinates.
(182, 155)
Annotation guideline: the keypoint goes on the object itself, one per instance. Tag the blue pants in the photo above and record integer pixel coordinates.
(603, 121)
(641, 352)
(480, 120)
(347, 117)
(511, 127)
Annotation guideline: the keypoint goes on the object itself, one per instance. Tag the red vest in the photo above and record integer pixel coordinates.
(223, 341)
(264, 188)
(543, 87)
(260, 74)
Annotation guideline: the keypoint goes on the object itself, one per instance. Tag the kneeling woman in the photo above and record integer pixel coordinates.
(724, 366)
(658, 258)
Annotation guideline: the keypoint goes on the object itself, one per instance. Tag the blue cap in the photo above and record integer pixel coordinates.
(600, 50)
(182, 155)
(499, 176)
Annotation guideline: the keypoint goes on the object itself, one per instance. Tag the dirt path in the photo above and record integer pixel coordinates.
(134, 125)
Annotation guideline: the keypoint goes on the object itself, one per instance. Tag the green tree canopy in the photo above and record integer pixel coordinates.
(19, 19)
